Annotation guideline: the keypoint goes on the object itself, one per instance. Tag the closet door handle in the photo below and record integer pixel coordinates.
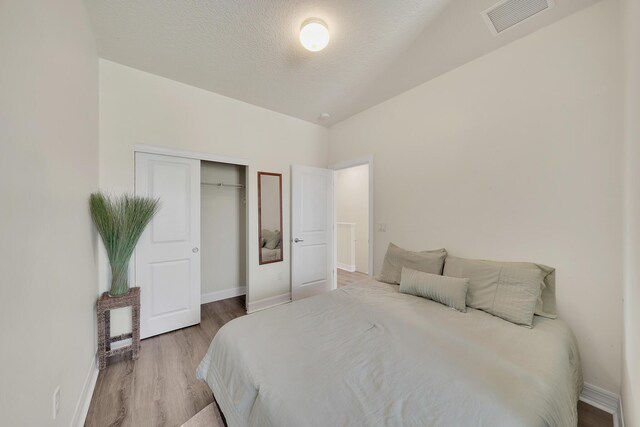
(296, 240)
(195, 250)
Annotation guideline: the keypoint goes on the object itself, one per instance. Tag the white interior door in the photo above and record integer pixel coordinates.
(168, 254)
(312, 231)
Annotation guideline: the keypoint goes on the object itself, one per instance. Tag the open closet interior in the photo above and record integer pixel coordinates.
(223, 230)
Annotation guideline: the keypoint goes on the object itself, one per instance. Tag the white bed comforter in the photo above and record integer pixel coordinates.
(367, 355)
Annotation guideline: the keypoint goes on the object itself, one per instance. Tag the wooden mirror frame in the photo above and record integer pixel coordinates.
(279, 176)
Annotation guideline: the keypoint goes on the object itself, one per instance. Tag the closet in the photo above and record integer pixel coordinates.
(222, 230)
(194, 250)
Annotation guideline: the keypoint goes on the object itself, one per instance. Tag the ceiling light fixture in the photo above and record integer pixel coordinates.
(314, 34)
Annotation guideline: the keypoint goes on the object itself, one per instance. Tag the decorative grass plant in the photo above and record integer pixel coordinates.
(120, 222)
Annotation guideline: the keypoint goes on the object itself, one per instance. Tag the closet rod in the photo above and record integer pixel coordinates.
(222, 184)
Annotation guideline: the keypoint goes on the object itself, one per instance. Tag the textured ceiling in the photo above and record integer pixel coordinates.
(248, 49)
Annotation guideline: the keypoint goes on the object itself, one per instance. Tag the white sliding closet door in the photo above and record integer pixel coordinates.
(168, 254)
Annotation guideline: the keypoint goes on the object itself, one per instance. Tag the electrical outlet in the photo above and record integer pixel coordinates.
(56, 402)
(382, 227)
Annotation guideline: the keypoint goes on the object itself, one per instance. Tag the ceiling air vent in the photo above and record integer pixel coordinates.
(509, 13)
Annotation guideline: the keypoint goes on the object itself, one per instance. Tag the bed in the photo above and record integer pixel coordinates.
(368, 355)
(269, 255)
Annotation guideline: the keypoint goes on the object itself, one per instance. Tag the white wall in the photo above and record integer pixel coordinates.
(352, 205)
(48, 168)
(346, 245)
(141, 108)
(515, 156)
(222, 228)
(631, 347)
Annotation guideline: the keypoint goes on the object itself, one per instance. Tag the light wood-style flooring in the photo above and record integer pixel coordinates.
(160, 388)
(346, 277)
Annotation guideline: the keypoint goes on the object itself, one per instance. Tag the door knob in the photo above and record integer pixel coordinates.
(298, 240)
(195, 250)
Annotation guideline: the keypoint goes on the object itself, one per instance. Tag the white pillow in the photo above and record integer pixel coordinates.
(503, 290)
(449, 291)
(396, 258)
(272, 238)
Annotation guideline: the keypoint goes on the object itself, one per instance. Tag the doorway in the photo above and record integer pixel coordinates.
(353, 201)
(223, 231)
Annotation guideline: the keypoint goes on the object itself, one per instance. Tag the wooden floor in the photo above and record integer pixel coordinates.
(160, 388)
(345, 277)
(588, 416)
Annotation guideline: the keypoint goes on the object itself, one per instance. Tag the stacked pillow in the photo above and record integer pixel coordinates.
(396, 258)
(270, 239)
(513, 291)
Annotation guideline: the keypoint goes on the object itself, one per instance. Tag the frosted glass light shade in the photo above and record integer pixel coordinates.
(314, 35)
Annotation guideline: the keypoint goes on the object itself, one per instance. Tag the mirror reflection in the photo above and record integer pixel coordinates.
(270, 217)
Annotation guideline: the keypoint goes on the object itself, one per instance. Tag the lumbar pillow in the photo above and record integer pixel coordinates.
(272, 238)
(449, 291)
(546, 305)
(396, 258)
(503, 290)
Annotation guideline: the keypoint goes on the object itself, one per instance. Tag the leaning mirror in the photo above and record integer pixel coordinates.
(270, 217)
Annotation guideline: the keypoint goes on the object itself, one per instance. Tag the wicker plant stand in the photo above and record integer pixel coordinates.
(107, 303)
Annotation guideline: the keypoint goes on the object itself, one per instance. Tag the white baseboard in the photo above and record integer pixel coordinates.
(265, 303)
(220, 295)
(605, 400)
(346, 267)
(82, 406)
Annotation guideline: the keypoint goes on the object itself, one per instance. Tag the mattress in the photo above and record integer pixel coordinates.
(367, 355)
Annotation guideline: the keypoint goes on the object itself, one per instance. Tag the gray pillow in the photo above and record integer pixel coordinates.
(396, 258)
(546, 305)
(505, 291)
(272, 238)
(449, 291)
